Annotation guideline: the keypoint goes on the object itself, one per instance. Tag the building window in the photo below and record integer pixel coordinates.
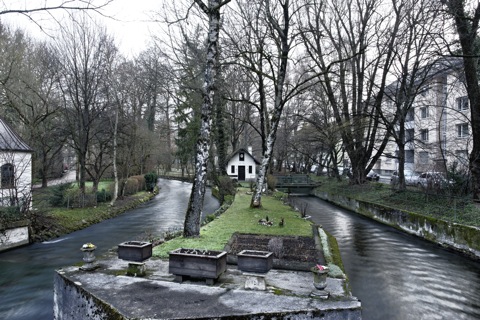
(423, 157)
(409, 135)
(250, 169)
(424, 112)
(462, 130)
(424, 135)
(410, 115)
(462, 156)
(462, 103)
(241, 156)
(409, 156)
(232, 169)
(8, 176)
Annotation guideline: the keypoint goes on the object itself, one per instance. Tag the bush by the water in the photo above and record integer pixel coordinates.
(151, 179)
(57, 196)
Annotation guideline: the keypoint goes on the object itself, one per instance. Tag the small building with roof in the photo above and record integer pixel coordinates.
(15, 186)
(15, 168)
(241, 165)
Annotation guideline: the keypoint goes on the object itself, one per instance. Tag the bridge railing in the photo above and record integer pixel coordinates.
(294, 179)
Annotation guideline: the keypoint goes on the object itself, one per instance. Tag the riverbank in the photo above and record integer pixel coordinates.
(46, 226)
(461, 238)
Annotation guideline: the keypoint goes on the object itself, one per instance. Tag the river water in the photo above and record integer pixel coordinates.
(26, 274)
(398, 276)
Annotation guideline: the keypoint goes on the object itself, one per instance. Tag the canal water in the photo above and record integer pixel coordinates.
(397, 276)
(26, 274)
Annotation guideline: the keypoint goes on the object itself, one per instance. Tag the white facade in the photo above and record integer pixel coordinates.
(242, 166)
(437, 129)
(19, 185)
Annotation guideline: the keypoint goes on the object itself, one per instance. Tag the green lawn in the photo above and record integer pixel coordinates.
(242, 219)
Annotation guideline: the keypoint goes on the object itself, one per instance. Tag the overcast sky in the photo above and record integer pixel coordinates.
(131, 31)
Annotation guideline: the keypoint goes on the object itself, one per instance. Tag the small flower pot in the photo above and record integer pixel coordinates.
(137, 251)
(320, 278)
(255, 261)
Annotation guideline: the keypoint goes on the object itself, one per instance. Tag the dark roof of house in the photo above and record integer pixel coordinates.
(10, 140)
(242, 150)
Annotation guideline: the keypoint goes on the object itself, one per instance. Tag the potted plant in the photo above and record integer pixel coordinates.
(255, 261)
(137, 251)
(197, 263)
(320, 276)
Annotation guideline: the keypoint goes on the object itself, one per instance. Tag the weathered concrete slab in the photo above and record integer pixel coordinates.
(107, 293)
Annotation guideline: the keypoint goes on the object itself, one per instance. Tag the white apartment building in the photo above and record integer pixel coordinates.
(437, 128)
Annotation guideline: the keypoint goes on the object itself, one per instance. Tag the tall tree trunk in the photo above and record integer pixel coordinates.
(115, 171)
(282, 33)
(467, 28)
(195, 204)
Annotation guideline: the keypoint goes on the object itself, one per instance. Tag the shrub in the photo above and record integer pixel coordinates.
(58, 193)
(151, 180)
(271, 182)
(103, 196)
(131, 186)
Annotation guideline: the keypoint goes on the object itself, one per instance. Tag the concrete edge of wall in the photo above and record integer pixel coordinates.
(15, 235)
(72, 302)
(465, 239)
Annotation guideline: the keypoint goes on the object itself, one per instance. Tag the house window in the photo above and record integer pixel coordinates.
(462, 103)
(232, 169)
(241, 156)
(462, 130)
(7, 176)
(424, 112)
(423, 157)
(250, 169)
(424, 135)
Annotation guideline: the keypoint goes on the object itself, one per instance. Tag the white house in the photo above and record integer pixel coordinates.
(15, 184)
(241, 165)
(15, 168)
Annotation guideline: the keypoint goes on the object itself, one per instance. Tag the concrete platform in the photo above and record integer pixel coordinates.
(107, 293)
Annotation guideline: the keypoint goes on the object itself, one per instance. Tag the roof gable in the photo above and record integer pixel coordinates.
(10, 140)
(244, 151)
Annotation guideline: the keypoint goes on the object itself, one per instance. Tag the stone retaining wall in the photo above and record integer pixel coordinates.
(465, 239)
(15, 235)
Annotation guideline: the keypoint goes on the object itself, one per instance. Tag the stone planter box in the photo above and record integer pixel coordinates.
(137, 251)
(203, 264)
(255, 261)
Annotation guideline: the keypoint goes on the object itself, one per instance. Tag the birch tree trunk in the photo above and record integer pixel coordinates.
(195, 204)
(281, 31)
(115, 171)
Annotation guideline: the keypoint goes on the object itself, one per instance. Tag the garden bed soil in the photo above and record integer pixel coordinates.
(289, 252)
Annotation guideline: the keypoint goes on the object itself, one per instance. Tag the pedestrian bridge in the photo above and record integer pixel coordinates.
(295, 183)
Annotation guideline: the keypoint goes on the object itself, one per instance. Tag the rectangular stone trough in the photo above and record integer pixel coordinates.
(203, 264)
(255, 261)
(137, 251)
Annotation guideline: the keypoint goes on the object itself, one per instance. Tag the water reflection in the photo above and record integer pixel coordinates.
(26, 274)
(398, 276)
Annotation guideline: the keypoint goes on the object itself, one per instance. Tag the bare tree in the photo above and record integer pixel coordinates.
(85, 54)
(352, 45)
(466, 20)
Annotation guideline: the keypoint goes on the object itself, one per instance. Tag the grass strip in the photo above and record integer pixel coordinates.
(242, 219)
